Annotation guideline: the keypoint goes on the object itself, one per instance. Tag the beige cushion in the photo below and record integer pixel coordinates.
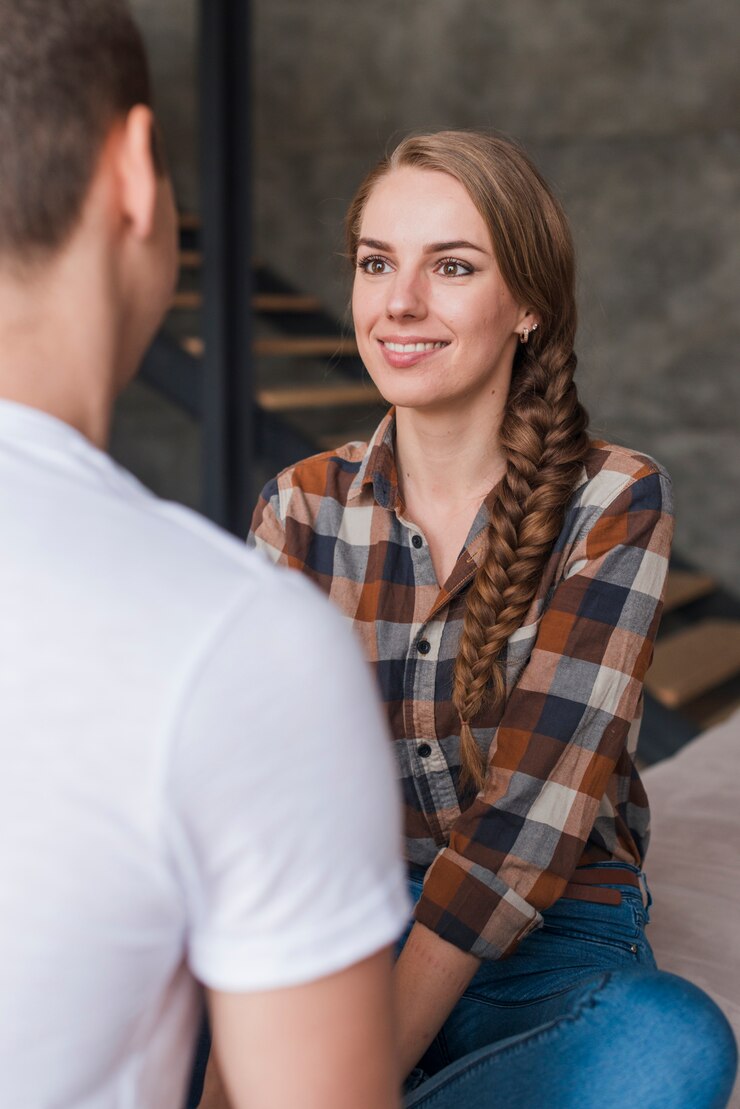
(693, 866)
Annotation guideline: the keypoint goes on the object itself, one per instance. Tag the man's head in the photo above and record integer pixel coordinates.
(68, 70)
(86, 208)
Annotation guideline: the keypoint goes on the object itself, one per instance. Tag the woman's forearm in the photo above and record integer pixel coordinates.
(430, 977)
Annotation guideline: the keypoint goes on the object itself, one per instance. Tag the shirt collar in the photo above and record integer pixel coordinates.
(378, 466)
(378, 471)
(34, 431)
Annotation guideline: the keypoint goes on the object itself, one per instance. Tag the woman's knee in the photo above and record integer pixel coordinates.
(687, 1041)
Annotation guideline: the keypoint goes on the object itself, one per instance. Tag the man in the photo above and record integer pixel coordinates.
(196, 784)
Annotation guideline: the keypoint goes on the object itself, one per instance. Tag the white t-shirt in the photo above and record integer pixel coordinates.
(195, 779)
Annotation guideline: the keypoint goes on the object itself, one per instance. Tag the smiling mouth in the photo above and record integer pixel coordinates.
(412, 348)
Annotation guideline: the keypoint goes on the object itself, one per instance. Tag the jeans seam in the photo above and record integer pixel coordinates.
(481, 999)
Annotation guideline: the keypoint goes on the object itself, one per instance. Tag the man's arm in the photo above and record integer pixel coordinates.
(328, 1044)
(283, 824)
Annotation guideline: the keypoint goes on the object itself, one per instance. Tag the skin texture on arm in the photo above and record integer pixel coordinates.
(327, 1044)
(430, 977)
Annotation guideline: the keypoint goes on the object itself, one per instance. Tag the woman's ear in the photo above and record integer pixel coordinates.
(139, 175)
(527, 324)
(528, 319)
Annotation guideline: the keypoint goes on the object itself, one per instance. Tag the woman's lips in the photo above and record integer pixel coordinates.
(403, 353)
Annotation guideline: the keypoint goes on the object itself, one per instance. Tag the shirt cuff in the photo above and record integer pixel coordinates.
(473, 909)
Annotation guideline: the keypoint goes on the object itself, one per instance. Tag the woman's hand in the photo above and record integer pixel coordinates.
(429, 979)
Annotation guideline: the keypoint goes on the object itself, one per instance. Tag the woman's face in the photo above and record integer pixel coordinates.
(436, 326)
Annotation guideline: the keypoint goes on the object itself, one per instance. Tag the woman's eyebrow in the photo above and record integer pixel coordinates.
(455, 244)
(375, 244)
(430, 248)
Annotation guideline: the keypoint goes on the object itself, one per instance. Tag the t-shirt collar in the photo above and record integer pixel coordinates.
(36, 431)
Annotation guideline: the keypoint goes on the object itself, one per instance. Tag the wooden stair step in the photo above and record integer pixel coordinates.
(190, 259)
(693, 661)
(194, 345)
(189, 221)
(685, 586)
(718, 715)
(190, 300)
(323, 396)
(313, 346)
(186, 300)
(310, 346)
(285, 302)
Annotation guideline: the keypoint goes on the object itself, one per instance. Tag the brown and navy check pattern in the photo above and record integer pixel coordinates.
(562, 789)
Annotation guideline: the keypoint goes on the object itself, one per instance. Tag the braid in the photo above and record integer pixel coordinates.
(543, 437)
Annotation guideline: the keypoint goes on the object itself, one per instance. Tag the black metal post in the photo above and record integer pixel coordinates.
(226, 189)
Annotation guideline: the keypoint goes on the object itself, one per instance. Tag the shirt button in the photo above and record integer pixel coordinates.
(417, 541)
(423, 646)
(424, 750)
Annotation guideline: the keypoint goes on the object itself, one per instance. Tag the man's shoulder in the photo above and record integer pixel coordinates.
(191, 557)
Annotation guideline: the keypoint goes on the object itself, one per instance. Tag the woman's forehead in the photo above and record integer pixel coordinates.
(421, 206)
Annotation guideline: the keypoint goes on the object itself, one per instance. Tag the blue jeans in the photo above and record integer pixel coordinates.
(579, 1018)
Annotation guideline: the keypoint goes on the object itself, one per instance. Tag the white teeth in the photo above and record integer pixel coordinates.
(413, 348)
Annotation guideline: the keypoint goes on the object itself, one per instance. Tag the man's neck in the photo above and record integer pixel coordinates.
(58, 345)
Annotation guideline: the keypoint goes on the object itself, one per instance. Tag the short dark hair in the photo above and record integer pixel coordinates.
(68, 70)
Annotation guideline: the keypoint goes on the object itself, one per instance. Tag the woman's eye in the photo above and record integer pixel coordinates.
(374, 265)
(451, 267)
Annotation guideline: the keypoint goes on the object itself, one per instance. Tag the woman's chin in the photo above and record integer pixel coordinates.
(406, 393)
(406, 398)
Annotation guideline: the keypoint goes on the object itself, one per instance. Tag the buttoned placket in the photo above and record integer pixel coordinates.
(433, 780)
(422, 657)
(438, 795)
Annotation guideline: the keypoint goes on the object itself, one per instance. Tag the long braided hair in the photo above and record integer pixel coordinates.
(543, 435)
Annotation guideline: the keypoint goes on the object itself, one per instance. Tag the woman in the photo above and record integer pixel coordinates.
(505, 574)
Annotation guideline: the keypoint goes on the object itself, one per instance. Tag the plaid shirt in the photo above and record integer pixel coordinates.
(561, 789)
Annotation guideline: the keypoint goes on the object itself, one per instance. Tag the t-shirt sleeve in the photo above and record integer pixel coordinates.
(563, 732)
(285, 821)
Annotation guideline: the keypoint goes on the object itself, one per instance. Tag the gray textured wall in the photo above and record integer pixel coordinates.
(629, 108)
(170, 29)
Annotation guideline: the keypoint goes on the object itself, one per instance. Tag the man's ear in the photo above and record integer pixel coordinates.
(139, 178)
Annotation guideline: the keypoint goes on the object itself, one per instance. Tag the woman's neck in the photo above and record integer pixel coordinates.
(448, 459)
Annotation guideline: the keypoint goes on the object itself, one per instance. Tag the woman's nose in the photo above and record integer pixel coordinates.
(405, 297)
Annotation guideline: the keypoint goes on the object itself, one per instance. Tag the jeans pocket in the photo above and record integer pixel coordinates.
(595, 926)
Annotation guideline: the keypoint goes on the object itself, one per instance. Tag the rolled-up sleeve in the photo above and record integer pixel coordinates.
(563, 732)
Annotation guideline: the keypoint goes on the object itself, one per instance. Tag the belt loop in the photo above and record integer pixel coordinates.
(647, 895)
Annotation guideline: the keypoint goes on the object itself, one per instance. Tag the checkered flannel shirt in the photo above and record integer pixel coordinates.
(561, 789)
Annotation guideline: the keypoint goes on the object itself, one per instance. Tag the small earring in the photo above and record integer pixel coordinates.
(524, 336)
(534, 328)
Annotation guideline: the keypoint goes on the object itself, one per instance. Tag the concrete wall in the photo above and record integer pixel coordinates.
(629, 108)
(170, 30)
